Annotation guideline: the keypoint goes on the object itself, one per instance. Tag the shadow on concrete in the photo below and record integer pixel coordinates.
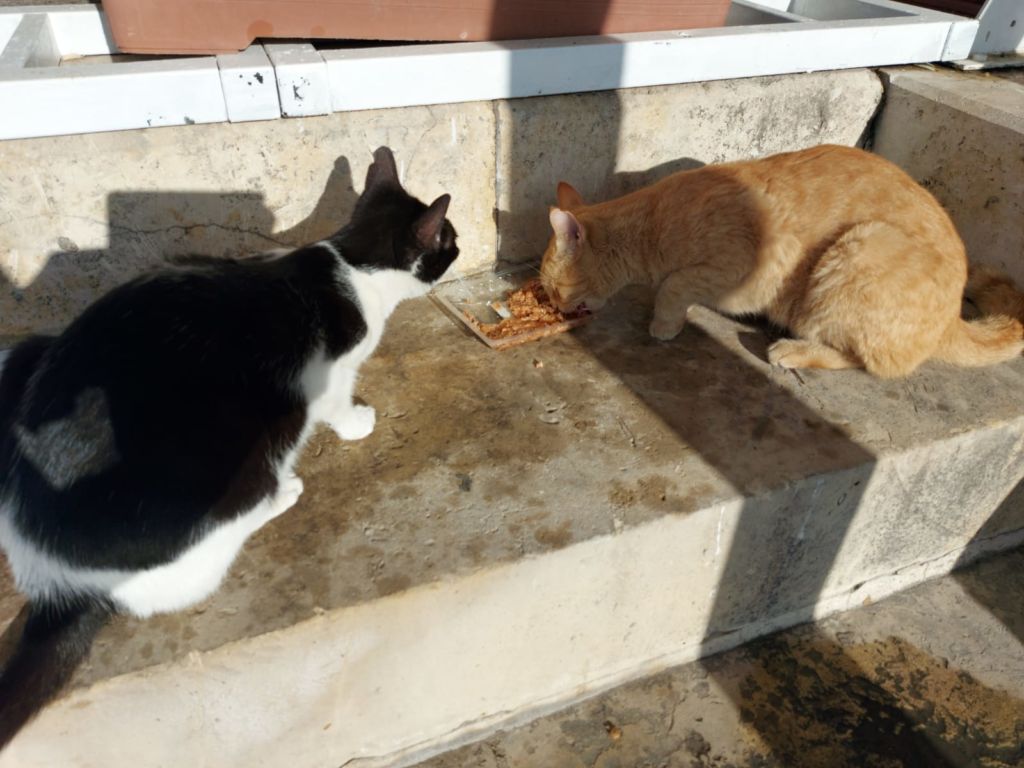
(766, 442)
(816, 701)
(148, 228)
(1005, 605)
(749, 428)
(771, 446)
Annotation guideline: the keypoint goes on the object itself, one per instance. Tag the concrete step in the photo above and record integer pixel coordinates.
(932, 677)
(529, 527)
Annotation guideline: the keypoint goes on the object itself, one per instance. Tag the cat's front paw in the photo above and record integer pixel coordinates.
(355, 423)
(664, 330)
(288, 491)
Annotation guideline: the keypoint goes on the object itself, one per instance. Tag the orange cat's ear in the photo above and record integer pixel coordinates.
(568, 230)
(567, 196)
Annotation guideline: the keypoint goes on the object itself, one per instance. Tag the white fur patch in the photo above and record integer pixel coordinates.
(184, 581)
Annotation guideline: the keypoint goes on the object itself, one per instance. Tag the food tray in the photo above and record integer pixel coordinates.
(469, 298)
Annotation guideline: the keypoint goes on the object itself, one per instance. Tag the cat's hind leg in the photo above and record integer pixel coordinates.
(801, 353)
(199, 570)
(884, 295)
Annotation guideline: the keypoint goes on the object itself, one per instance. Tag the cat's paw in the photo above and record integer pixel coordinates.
(665, 330)
(779, 352)
(355, 423)
(289, 489)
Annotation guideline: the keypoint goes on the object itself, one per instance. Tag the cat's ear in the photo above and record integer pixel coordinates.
(567, 196)
(429, 223)
(568, 230)
(382, 169)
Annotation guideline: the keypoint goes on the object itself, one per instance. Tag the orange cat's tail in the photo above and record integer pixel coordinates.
(985, 341)
(997, 336)
(994, 293)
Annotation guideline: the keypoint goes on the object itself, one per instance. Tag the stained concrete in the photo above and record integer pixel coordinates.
(464, 473)
(930, 678)
(961, 135)
(472, 561)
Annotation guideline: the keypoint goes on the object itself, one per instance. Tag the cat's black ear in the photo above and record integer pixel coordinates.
(428, 226)
(567, 196)
(382, 170)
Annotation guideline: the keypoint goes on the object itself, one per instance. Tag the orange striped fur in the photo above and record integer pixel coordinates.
(840, 246)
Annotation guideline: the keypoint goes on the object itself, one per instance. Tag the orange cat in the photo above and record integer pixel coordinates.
(841, 247)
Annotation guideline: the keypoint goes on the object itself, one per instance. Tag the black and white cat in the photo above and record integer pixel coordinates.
(142, 446)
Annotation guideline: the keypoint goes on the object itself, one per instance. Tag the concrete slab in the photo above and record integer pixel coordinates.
(962, 136)
(933, 677)
(514, 536)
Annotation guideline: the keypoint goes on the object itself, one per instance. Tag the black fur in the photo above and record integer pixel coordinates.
(54, 641)
(196, 371)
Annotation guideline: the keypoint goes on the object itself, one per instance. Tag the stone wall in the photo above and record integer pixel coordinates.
(962, 137)
(80, 214)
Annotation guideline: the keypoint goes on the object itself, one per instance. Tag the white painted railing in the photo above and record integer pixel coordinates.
(43, 92)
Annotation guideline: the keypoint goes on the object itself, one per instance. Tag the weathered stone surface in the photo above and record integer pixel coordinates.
(607, 144)
(83, 213)
(931, 677)
(515, 536)
(962, 136)
(470, 561)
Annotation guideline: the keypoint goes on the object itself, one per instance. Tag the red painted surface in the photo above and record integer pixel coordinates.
(219, 26)
(969, 8)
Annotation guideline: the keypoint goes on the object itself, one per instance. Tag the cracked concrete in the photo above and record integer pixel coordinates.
(930, 678)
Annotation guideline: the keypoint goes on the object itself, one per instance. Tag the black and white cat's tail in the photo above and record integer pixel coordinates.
(54, 641)
(49, 639)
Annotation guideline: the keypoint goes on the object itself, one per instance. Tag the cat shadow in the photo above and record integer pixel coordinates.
(147, 229)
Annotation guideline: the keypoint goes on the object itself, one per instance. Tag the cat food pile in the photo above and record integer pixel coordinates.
(529, 309)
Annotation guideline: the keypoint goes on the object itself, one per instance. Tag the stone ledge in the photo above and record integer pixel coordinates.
(470, 563)
(86, 212)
